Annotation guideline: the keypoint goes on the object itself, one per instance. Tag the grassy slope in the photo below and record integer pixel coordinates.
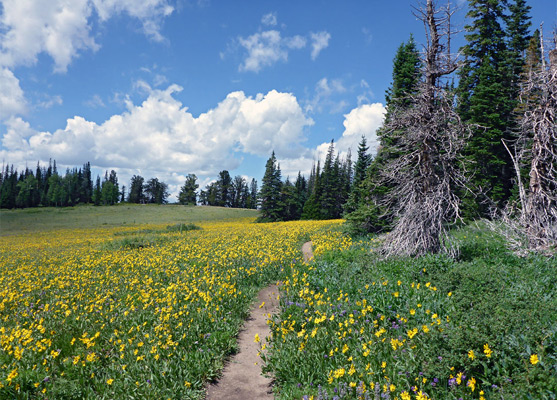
(496, 298)
(42, 219)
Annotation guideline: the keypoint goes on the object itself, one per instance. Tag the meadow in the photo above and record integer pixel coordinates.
(145, 302)
(148, 311)
(354, 325)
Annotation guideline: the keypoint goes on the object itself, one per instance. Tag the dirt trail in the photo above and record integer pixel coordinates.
(307, 252)
(242, 378)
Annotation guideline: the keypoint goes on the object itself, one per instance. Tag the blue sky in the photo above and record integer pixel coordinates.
(164, 88)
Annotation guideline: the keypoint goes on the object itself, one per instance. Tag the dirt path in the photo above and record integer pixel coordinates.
(307, 252)
(242, 378)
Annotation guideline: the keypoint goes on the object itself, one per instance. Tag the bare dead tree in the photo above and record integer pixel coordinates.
(430, 170)
(538, 217)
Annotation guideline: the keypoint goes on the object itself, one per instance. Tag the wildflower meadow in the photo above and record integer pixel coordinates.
(152, 311)
(145, 313)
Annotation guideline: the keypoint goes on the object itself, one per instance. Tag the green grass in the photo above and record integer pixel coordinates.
(496, 298)
(44, 219)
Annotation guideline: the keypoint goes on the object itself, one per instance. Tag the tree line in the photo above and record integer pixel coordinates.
(230, 192)
(46, 187)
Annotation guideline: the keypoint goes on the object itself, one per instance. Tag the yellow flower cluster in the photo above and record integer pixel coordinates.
(70, 304)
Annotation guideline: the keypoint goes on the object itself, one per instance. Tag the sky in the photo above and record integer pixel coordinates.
(167, 88)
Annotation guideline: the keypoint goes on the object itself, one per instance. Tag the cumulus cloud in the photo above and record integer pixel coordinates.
(62, 29)
(268, 47)
(363, 120)
(264, 49)
(319, 41)
(12, 99)
(162, 136)
(269, 19)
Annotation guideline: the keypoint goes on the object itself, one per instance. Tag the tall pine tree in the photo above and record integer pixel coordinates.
(488, 88)
(270, 194)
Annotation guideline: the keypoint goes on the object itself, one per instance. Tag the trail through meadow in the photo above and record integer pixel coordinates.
(242, 378)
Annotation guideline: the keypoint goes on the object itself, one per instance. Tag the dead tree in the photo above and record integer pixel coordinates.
(427, 175)
(538, 217)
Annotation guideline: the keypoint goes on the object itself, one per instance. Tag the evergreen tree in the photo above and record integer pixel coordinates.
(187, 193)
(224, 187)
(312, 207)
(86, 184)
(238, 192)
(136, 190)
(371, 213)
(487, 94)
(301, 194)
(329, 185)
(362, 164)
(518, 37)
(97, 193)
(156, 191)
(270, 194)
(252, 199)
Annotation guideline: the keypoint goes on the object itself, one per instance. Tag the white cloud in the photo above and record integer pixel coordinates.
(150, 13)
(368, 36)
(325, 89)
(269, 19)
(159, 136)
(296, 42)
(50, 101)
(264, 49)
(319, 41)
(268, 47)
(95, 102)
(363, 120)
(12, 99)
(61, 28)
(57, 27)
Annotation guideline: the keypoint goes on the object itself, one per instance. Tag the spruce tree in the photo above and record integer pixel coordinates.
(270, 193)
(329, 185)
(370, 211)
(312, 207)
(187, 194)
(362, 163)
(488, 90)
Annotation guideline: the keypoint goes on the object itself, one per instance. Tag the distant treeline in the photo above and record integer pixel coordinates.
(46, 187)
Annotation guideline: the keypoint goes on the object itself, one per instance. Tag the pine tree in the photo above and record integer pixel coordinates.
(487, 95)
(135, 194)
(252, 199)
(312, 207)
(369, 210)
(329, 185)
(97, 194)
(270, 193)
(187, 194)
(362, 164)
